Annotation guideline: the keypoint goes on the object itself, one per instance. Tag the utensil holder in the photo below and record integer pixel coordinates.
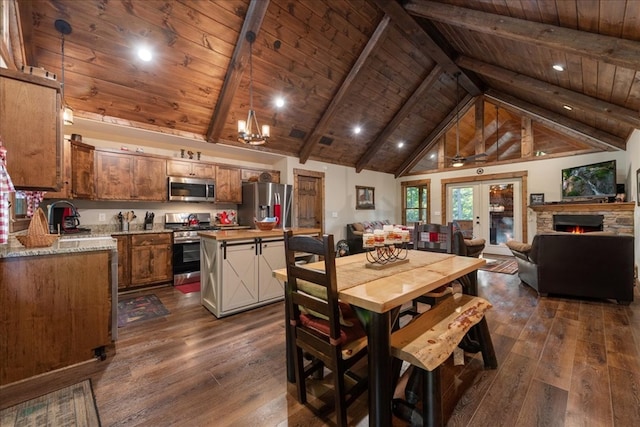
(124, 226)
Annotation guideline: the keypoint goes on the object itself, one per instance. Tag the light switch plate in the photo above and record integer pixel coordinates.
(102, 217)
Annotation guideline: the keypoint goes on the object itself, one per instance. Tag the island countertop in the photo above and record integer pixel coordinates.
(253, 233)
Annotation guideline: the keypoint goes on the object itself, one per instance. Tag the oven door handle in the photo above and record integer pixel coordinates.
(178, 242)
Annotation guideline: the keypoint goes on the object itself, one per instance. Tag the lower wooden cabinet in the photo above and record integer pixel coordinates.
(56, 312)
(144, 259)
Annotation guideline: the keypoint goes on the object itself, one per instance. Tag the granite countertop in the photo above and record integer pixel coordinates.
(64, 245)
(253, 233)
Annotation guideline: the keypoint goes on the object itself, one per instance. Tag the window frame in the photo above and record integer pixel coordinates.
(423, 185)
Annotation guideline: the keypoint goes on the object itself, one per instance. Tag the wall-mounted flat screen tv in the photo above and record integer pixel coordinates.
(589, 181)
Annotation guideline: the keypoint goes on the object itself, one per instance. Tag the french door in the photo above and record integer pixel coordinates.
(487, 209)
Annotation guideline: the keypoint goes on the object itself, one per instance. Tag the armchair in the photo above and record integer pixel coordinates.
(590, 265)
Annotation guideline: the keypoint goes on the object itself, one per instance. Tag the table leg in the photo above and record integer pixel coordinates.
(379, 357)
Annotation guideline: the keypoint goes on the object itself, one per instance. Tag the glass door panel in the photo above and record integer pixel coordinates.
(488, 210)
(462, 203)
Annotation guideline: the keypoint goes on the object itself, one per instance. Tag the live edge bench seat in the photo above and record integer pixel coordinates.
(430, 338)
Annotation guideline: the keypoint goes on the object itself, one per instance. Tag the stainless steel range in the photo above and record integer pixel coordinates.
(186, 244)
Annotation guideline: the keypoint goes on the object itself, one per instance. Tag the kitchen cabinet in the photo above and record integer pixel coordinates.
(77, 171)
(254, 175)
(31, 127)
(124, 255)
(228, 185)
(149, 179)
(150, 258)
(130, 177)
(237, 275)
(191, 169)
(114, 176)
(56, 311)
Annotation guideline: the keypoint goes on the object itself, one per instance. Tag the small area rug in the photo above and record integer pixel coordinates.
(139, 308)
(506, 266)
(187, 288)
(72, 406)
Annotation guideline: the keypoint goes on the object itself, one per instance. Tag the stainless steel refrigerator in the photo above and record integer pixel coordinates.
(265, 199)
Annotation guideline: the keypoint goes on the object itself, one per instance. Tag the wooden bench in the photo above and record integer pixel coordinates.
(430, 338)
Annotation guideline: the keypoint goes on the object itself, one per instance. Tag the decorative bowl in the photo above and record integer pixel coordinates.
(266, 225)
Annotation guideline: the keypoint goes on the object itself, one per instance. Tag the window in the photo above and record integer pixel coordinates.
(415, 201)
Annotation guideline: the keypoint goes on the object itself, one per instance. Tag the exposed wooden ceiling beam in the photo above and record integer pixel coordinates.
(579, 131)
(612, 50)
(563, 96)
(419, 38)
(433, 137)
(319, 130)
(404, 111)
(252, 22)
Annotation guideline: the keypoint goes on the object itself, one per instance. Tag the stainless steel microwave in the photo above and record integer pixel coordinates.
(191, 189)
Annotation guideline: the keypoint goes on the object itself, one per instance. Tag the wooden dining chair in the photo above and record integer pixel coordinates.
(433, 237)
(320, 326)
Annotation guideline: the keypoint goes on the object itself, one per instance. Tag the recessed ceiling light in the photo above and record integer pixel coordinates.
(357, 130)
(433, 156)
(279, 102)
(567, 107)
(558, 67)
(400, 144)
(144, 54)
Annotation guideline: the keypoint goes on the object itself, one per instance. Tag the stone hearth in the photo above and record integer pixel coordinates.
(618, 217)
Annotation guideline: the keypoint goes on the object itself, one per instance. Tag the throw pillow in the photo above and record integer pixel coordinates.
(519, 246)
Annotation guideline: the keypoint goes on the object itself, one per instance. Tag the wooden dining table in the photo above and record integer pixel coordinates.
(379, 291)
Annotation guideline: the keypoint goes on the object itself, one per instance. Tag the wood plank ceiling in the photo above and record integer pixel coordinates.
(381, 65)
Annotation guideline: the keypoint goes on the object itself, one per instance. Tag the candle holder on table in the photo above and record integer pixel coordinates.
(387, 247)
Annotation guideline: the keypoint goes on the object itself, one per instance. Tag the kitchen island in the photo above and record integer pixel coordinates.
(59, 305)
(236, 268)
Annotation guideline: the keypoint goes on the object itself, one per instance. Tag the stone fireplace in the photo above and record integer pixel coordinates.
(616, 217)
(578, 223)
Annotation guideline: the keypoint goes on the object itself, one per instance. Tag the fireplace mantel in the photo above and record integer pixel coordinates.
(618, 217)
(583, 207)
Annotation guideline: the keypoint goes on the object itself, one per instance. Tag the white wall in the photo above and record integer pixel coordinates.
(340, 181)
(633, 192)
(544, 176)
(340, 194)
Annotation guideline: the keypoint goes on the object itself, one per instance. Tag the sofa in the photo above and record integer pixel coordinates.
(357, 229)
(588, 265)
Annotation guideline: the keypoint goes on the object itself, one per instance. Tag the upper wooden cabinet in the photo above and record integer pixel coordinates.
(114, 176)
(254, 175)
(149, 178)
(130, 177)
(228, 185)
(31, 128)
(82, 171)
(190, 169)
(77, 172)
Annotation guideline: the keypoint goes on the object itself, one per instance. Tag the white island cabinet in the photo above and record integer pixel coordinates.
(236, 269)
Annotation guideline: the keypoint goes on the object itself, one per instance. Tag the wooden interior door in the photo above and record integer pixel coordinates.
(308, 198)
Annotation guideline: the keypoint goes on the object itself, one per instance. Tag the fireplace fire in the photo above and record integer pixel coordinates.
(578, 224)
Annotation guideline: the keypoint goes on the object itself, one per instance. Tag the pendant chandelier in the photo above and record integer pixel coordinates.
(249, 130)
(64, 28)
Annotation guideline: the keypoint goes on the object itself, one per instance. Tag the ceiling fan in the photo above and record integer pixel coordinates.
(459, 160)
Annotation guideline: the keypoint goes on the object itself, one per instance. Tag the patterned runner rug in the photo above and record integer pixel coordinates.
(506, 266)
(139, 308)
(68, 407)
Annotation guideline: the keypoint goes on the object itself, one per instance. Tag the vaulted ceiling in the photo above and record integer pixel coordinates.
(389, 67)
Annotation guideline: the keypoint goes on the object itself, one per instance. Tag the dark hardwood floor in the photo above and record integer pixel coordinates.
(562, 362)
